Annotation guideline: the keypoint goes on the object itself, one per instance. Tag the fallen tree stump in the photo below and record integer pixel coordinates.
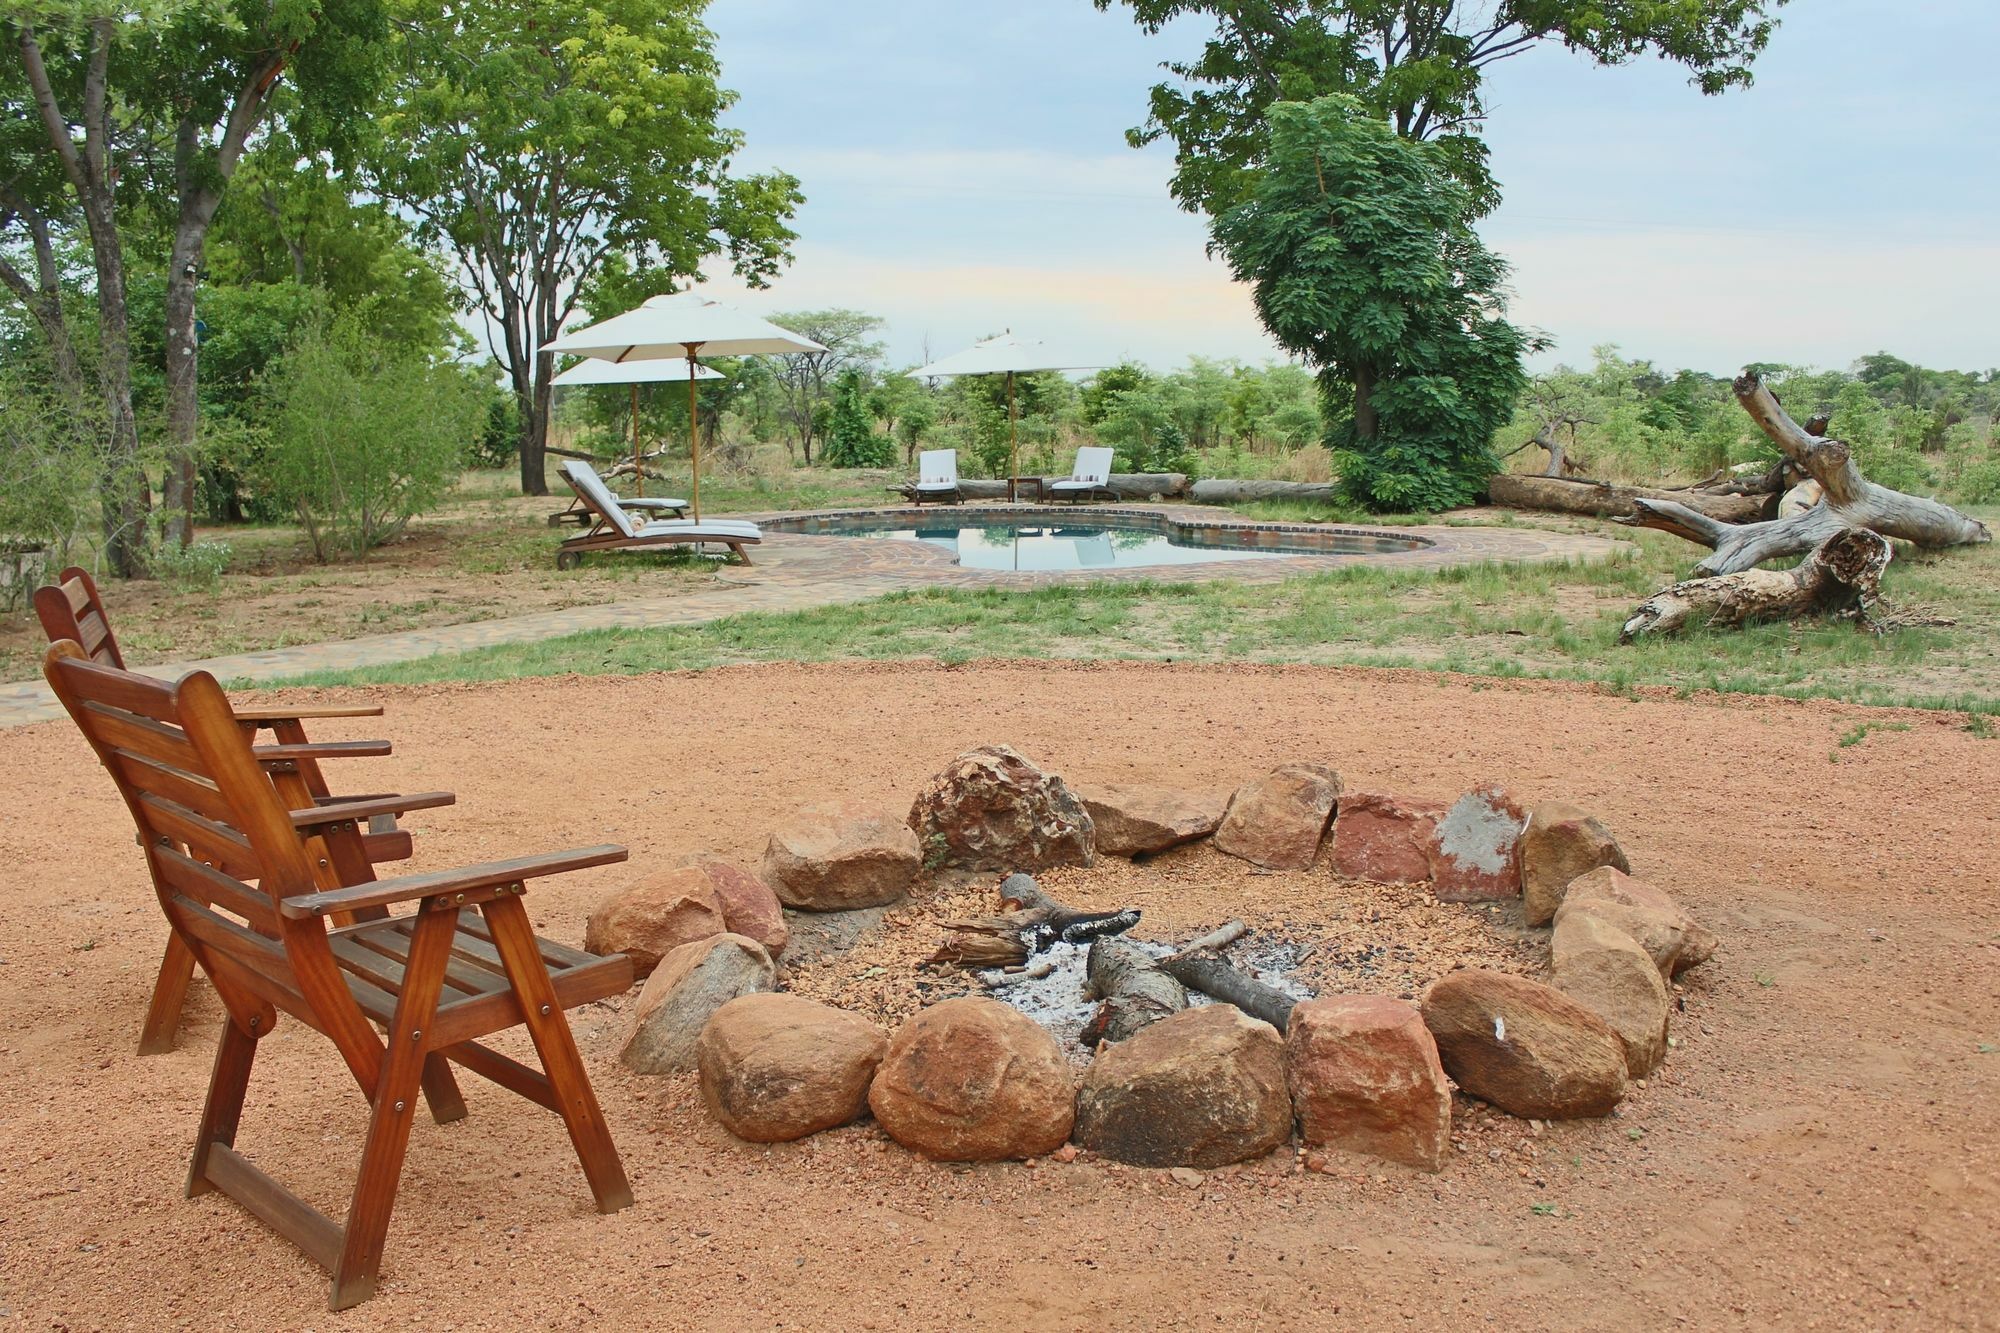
(1125, 485)
(1841, 577)
(1850, 501)
(1603, 499)
(1223, 491)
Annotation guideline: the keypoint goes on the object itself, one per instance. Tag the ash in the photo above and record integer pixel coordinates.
(1061, 1003)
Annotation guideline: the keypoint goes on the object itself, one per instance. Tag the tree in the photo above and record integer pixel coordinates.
(805, 376)
(1419, 64)
(1362, 262)
(532, 139)
(165, 99)
(851, 438)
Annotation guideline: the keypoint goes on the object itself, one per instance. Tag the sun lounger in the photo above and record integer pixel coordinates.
(645, 506)
(1089, 479)
(937, 479)
(614, 528)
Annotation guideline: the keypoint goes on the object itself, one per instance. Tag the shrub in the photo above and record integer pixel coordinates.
(197, 565)
(363, 437)
(48, 478)
(851, 438)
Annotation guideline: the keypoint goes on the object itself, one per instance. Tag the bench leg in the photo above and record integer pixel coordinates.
(367, 1226)
(514, 938)
(223, 1111)
(163, 1015)
(441, 1090)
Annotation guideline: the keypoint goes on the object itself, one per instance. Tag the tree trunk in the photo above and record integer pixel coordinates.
(183, 384)
(1850, 501)
(1842, 576)
(1599, 499)
(1221, 491)
(1366, 420)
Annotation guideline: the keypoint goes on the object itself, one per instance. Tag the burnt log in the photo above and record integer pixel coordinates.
(1850, 500)
(1029, 922)
(1201, 967)
(1842, 576)
(1133, 989)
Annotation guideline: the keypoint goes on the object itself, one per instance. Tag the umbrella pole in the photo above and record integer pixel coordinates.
(638, 466)
(1013, 434)
(694, 436)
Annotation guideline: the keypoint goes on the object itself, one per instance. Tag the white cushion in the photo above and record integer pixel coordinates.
(937, 469)
(660, 526)
(599, 496)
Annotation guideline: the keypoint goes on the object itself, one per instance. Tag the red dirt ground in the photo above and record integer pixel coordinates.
(1822, 1150)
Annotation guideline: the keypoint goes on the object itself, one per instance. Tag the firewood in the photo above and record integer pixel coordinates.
(1134, 991)
(1030, 923)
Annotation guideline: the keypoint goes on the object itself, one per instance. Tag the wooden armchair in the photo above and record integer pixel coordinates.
(277, 902)
(70, 608)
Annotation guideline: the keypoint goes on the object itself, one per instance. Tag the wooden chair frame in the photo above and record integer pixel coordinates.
(280, 908)
(71, 608)
(613, 529)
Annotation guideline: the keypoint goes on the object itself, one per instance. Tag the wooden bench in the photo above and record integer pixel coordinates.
(70, 608)
(279, 905)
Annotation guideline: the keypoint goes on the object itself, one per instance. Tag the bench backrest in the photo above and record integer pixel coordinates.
(1093, 465)
(590, 488)
(937, 467)
(219, 841)
(70, 609)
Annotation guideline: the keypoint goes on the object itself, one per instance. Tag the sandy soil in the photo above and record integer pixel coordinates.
(1821, 1150)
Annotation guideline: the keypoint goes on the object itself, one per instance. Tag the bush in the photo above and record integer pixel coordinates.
(362, 438)
(197, 565)
(48, 479)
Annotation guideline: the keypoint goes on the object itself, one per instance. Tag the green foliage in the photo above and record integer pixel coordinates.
(50, 449)
(1418, 65)
(362, 439)
(198, 565)
(851, 438)
(1363, 263)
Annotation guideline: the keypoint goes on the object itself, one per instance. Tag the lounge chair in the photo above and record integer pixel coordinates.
(1090, 478)
(270, 897)
(70, 609)
(937, 479)
(613, 528)
(579, 514)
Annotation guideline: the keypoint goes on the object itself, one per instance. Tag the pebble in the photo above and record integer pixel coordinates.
(1185, 1175)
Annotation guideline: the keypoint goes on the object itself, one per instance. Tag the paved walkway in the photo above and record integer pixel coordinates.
(795, 572)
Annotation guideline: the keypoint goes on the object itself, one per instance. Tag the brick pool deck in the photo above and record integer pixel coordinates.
(797, 572)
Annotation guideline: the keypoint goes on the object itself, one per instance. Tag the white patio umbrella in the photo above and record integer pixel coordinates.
(683, 324)
(1005, 355)
(590, 370)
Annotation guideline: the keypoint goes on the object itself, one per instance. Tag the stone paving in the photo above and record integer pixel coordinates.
(796, 572)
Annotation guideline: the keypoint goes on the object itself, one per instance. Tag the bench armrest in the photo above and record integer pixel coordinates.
(322, 750)
(360, 809)
(276, 713)
(407, 888)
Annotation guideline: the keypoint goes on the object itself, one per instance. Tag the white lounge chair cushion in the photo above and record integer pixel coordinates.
(661, 526)
(1093, 468)
(654, 502)
(696, 532)
(584, 477)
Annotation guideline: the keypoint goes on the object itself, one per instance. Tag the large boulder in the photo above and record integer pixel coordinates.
(1278, 820)
(780, 1067)
(1139, 821)
(688, 986)
(1203, 1088)
(748, 905)
(991, 809)
(1383, 838)
(1471, 852)
(1673, 939)
(838, 856)
(973, 1080)
(650, 919)
(1604, 969)
(1365, 1077)
(1526, 1048)
(1561, 843)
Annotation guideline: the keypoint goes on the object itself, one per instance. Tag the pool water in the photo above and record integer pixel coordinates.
(1065, 546)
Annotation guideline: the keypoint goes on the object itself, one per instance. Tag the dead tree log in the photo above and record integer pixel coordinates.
(1224, 491)
(1125, 485)
(1134, 991)
(1562, 463)
(1602, 499)
(1850, 501)
(1842, 576)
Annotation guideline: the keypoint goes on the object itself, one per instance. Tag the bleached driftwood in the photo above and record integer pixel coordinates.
(1841, 577)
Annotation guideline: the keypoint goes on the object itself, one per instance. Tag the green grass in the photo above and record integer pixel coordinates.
(1553, 621)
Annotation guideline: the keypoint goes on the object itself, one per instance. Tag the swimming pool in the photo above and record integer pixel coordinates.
(1041, 540)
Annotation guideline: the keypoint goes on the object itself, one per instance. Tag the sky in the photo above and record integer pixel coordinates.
(966, 171)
